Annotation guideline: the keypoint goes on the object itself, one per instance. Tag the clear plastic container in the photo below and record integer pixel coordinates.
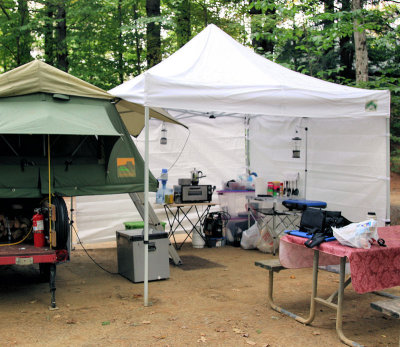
(234, 201)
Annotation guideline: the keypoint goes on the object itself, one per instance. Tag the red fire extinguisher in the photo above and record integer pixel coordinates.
(38, 229)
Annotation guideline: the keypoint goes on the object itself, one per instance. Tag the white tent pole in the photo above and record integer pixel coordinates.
(305, 166)
(388, 169)
(247, 143)
(146, 208)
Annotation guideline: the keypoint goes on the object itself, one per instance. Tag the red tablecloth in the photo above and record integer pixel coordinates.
(372, 269)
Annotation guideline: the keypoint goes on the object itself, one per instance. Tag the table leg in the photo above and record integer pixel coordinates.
(200, 220)
(339, 313)
(300, 319)
(176, 218)
(311, 316)
(314, 299)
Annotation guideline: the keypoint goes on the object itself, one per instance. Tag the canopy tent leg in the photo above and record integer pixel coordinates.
(146, 208)
(387, 170)
(138, 200)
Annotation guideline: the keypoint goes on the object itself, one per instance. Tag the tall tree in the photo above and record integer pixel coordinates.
(153, 32)
(346, 47)
(137, 38)
(120, 44)
(23, 36)
(262, 27)
(183, 25)
(61, 36)
(48, 31)
(360, 42)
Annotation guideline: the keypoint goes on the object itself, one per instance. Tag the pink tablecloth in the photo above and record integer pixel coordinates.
(372, 269)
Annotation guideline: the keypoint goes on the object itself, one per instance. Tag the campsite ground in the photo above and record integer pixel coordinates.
(216, 298)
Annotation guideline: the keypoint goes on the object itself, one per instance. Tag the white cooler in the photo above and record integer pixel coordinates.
(130, 251)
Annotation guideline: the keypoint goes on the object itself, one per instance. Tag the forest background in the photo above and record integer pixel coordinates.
(106, 42)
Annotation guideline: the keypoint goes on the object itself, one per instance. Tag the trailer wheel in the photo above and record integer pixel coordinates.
(44, 269)
(62, 224)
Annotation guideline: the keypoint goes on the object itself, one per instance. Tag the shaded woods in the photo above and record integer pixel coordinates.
(105, 42)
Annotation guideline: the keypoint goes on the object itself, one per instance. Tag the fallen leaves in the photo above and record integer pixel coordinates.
(202, 339)
(161, 337)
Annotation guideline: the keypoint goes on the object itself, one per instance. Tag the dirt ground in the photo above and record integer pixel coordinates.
(216, 298)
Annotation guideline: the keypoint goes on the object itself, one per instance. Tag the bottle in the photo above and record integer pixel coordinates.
(160, 195)
(372, 218)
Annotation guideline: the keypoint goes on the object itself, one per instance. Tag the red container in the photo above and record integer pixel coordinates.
(38, 239)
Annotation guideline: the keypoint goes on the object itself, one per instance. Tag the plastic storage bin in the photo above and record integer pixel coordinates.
(130, 254)
(234, 201)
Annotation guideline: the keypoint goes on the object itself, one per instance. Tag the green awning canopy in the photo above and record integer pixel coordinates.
(53, 114)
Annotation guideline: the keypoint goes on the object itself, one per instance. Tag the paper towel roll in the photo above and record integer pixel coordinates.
(260, 185)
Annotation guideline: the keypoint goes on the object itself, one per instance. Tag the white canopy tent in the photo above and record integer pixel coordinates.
(348, 128)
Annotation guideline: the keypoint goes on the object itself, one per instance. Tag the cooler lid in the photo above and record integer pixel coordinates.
(137, 234)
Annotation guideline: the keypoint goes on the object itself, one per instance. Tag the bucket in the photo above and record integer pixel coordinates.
(197, 240)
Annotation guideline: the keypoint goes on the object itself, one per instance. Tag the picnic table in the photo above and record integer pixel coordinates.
(371, 269)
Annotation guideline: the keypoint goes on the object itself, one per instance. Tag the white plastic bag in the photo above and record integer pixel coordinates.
(357, 235)
(250, 237)
(266, 243)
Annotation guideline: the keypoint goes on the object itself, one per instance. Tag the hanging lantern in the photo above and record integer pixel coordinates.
(296, 145)
(163, 140)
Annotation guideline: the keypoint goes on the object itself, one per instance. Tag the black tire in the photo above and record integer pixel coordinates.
(62, 223)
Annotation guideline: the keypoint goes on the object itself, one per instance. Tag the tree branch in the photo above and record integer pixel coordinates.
(4, 10)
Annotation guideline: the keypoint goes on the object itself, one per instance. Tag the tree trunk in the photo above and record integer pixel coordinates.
(24, 36)
(262, 45)
(360, 41)
(183, 29)
(61, 37)
(346, 49)
(138, 47)
(120, 44)
(49, 33)
(153, 31)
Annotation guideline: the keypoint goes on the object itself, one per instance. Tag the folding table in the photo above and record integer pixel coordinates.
(281, 220)
(178, 213)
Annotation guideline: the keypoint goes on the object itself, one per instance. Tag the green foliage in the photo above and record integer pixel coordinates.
(106, 39)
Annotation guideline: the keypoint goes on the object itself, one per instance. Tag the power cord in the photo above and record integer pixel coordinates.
(87, 253)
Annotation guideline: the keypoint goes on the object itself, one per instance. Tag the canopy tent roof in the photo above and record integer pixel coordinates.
(215, 73)
(37, 76)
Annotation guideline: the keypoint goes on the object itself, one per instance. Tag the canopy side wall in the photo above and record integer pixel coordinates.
(347, 164)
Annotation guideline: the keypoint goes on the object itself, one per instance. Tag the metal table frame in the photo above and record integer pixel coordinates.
(176, 218)
(285, 218)
(315, 299)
